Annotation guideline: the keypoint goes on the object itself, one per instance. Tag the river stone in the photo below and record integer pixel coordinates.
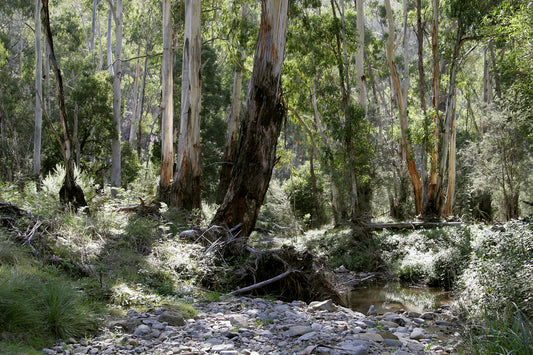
(239, 321)
(371, 311)
(442, 323)
(418, 333)
(326, 305)
(298, 330)
(353, 348)
(141, 330)
(370, 337)
(428, 316)
(307, 336)
(387, 335)
(172, 318)
(388, 324)
(413, 314)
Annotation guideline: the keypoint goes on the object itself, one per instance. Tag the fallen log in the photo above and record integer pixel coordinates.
(263, 283)
(408, 225)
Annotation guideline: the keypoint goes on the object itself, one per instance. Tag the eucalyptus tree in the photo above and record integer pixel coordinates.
(260, 128)
(38, 93)
(70, 192)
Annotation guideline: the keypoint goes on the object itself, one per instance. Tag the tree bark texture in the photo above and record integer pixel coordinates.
(117, 98)
(404, 125)
(232, 136)
(38, 93)
(167, 106)
(360, 56)
(260, 127)
(187, 189)
(433, 203)
(70, 193)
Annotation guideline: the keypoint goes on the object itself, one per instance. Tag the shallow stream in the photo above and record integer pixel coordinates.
(394, 296)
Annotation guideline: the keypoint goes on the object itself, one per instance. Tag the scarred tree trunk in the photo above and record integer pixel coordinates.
(260, 128)
(70, 193)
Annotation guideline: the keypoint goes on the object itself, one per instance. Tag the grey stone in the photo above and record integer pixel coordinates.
(141, 330)
(428, 316)
(326, 305)
(371, 311)
(222, 347)
(418, 333)
(370, 337)
(239, 321)
(172, 318)
(413, 314)
(392, 342)
(298, 330)
(353, 348)
(307, 336)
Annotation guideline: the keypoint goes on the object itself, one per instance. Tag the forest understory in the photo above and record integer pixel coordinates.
(122, 256)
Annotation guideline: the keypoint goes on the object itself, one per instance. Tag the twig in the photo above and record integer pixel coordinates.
(264, 283)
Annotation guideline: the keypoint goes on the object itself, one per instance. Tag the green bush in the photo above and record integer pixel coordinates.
(309, 209)
(432, 256)
(500, 269)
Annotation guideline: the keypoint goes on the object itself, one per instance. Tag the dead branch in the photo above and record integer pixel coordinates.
(408, 225)
(264, 283)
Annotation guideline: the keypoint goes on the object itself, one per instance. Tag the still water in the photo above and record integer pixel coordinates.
(393, 296)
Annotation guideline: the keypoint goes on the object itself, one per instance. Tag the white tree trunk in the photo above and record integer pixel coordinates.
(38, 92)
(167, 104)
(110, 39)
(188, 174)
(360, 56)
(117, 98)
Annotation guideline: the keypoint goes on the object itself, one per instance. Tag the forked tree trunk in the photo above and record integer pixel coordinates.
(404, 126)
(260, 128)
(70, 193)
(187, 187)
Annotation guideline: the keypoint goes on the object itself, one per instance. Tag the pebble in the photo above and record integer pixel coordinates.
(255, 326)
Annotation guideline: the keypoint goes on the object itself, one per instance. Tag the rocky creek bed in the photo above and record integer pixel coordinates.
(243, 325)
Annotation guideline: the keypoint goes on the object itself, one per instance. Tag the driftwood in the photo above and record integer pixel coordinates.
(264, 283)
(408, 225)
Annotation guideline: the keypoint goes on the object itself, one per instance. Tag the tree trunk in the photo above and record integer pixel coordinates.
(360, 56)
(70, 193)
(187, 192)
(434, 199)
(167, 105)
(422, 98)
(259, 130)
(93, 27)
(38, 94)
(404, 126)
(117, 97)
(109, 39)
(133, 119)
(232, 136)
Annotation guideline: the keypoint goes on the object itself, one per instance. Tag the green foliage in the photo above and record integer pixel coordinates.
(433, 256)
(276, 213)
(500, 270)
(310, 206)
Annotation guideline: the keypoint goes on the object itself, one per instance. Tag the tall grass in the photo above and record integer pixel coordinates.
(508, 332)
(39, 309)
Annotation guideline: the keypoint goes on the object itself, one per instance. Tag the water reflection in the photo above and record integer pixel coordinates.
(394, 296)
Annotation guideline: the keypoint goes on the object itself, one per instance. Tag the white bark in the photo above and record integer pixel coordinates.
(117, 98)
(38, 92)
(360, 57)
(167, 104)
(110, 39)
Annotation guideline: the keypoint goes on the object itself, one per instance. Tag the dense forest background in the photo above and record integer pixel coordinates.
(424, 113)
